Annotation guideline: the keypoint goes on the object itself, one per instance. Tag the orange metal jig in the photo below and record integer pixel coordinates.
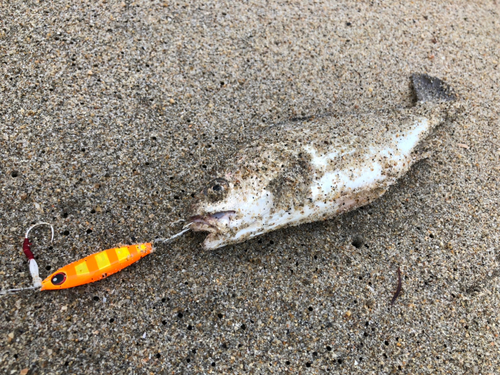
(96, 266)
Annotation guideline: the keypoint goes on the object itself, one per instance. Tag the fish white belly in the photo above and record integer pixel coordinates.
(336, 191)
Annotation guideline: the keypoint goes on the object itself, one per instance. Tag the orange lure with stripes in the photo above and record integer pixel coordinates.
(96, 266)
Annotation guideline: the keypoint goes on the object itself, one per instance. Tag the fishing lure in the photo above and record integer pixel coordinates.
(92, 268)
(96, 266)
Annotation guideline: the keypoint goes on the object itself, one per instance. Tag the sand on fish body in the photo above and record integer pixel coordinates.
(318, 169)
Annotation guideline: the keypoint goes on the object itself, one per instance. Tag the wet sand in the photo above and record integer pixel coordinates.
(113, 114)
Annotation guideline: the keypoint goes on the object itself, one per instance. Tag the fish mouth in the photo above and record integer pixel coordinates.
(213, 223)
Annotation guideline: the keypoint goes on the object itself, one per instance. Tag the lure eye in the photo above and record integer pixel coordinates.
(58, 278)
(216, 189)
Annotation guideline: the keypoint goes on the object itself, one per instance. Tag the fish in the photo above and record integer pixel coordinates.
(317, 168)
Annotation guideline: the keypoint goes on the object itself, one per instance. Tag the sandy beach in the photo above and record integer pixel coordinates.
(114, 114)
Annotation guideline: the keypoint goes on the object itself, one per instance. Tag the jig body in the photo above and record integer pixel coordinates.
(96, 266)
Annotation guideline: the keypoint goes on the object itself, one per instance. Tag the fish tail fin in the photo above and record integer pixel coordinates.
(431, 89)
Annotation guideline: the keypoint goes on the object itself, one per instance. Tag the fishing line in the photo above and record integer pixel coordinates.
(16, 290)
(184, 230)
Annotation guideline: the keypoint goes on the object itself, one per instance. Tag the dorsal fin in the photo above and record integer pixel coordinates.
(431, 89)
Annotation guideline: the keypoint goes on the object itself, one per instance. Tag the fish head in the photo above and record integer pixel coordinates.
(228, 209)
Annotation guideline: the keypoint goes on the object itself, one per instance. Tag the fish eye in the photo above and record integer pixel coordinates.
(58, 278)
(216, 188)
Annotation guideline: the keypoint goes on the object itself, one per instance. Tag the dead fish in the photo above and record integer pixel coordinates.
(317, 168)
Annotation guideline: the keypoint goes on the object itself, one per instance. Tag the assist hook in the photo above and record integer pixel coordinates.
(37, 281)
